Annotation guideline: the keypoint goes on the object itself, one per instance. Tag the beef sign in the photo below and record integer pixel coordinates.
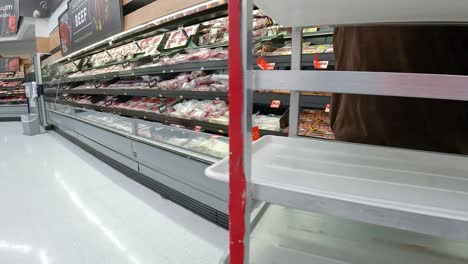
(89, 21)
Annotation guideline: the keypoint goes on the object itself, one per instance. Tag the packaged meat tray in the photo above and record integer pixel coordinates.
(178, 39)
(128, 84)
(200, 110)
(150, 45)
(267, 122)
(315, 123)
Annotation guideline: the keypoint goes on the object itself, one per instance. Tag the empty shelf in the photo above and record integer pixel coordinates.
(411, 190)
(288, 236)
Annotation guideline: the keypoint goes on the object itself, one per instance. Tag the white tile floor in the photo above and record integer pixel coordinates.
(58, 204)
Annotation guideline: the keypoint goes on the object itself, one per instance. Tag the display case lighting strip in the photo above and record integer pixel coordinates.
(158, 21)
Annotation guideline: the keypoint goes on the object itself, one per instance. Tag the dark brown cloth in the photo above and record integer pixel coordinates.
(424, 124)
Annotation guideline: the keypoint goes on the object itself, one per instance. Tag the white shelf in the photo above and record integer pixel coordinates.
(371, 83)
(288, 236)
(411, 190)
(295, 13)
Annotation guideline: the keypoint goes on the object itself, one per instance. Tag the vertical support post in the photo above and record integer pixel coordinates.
(40, 100)
(240, 128)
(296, 63)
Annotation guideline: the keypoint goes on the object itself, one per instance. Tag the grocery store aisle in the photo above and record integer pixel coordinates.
(59, 204)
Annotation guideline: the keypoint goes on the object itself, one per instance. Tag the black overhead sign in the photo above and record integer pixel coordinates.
(52, 5)
(9, 64)
(9, 16)
(89, 21)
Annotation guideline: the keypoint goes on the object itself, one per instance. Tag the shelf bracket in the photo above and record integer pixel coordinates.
(295, 101)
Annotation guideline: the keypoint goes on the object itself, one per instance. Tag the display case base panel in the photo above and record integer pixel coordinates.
(10, 119)
(12, 112)
(207, 212)
(290, 236)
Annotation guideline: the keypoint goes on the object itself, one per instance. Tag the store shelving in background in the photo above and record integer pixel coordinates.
(13, 101)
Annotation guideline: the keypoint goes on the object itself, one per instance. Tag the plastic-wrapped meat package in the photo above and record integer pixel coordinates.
(143, 130)
(178, 58)
(219, 54)
(183, 78)
(199, 55)
(270, 122)
(219, 87)
(123, 125)
(217, 109)
(188, 107)
(199, 144)
(315, 123)
(261, 22)
(198, 114)
(208, 38)
(217, 113)
(139, 106)
(196, 74)
(203, 88)
(151, 51)
(258, 33)
(218, 148)
(105, 101)
(221, 78)
(170, 85)
(180, 142)
(204, 80)
(170, 101)
(222, 120)
(131, 103)
(188, 86)
(150, 45)
(178, 39)
(154, 108)
(146, 99)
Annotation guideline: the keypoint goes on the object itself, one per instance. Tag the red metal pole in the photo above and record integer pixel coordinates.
(237, 178)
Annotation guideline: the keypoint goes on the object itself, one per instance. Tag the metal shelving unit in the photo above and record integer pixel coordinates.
(415, 191)
(12, 110)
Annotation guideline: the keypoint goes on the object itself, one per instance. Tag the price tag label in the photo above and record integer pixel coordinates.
(275, 104)
(327, 108)
(152, 83)
(97, 85)
(163, 108)
(256, 133)
(264, 65)
(125, 64)
(320, 65)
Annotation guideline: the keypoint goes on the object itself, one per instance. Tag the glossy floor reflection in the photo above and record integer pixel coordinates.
(58, 204)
